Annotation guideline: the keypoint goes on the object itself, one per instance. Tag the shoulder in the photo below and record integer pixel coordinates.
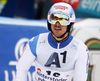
(78, 45)
(43, 35)
(34, 42)
(79, 42)
(82, 49)
(40, 36)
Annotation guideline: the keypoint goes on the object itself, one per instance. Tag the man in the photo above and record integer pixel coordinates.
(58, 56)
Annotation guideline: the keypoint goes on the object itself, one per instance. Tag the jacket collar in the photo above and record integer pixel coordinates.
(54, 44)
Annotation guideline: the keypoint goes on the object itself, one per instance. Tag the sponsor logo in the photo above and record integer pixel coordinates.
(42, 41)
(90, 6)
(73, 3)
(60, 7)
(43, 77)
(39, 69)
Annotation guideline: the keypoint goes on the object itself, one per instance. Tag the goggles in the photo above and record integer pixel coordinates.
(62, 18)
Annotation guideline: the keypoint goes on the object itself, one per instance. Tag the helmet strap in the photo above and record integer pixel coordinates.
(64, 39)
(60, 37)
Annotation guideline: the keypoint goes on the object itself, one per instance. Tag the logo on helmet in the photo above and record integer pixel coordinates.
(60, 7)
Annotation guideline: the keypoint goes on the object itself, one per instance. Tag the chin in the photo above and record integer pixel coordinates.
(58, 36)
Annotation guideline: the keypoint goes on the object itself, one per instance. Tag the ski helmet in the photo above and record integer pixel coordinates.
(61, 9)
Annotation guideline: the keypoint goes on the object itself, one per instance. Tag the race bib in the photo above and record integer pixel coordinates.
(45, 74)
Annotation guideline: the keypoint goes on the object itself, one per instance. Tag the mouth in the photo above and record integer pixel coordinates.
(57, 28)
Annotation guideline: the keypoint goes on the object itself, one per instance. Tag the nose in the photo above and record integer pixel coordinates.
(57, 23)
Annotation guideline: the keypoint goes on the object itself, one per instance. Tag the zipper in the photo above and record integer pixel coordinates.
(58, 45)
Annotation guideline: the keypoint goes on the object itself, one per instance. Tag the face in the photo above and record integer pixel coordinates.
(58, 29)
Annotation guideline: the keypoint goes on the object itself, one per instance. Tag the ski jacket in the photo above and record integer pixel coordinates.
(54, 61)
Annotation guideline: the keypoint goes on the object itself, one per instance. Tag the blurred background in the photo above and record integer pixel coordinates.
(38, 9)
(20, 20)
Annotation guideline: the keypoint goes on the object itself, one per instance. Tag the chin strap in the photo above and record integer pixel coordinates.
(65, 38)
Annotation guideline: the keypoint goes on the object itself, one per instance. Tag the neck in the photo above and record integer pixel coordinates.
(65, 37)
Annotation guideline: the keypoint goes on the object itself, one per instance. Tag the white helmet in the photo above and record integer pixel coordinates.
(62, 8)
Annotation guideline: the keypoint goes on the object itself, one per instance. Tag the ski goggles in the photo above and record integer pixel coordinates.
(62, 18)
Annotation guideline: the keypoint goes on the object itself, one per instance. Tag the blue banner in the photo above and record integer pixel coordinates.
(13, 37)
(90, 6)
